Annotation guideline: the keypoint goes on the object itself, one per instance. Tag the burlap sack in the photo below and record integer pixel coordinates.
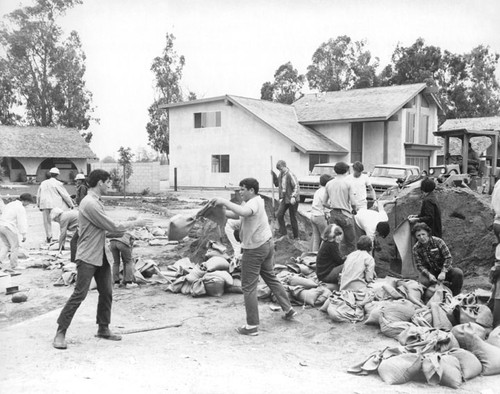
(400, 369)
(470, 364)
(494, 337)
(214, 286)
(216, 263)
(488, 355)
(179, 227)
(460, 331)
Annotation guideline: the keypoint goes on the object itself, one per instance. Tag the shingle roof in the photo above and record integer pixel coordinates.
(283, 119)
(489, 123)
(31, 141)
(357, 104)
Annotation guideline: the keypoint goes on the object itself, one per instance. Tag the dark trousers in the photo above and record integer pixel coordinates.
(85, 273)
(123, 252)
(72, 246)
(334, 275)
(292, 211)
(454, 277)
(347, 225)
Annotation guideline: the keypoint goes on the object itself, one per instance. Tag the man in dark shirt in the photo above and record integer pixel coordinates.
(430, 213)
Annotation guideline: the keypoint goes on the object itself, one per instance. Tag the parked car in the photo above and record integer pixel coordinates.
(309, 184)
(385, 176)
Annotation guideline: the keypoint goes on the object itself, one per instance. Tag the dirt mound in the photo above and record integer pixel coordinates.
(467, 227)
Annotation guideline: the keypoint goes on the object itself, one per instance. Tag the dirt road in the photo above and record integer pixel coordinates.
(203, 355)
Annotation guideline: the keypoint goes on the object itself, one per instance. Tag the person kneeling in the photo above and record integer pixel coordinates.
(433, 260)
(329, 261)
(359, 267)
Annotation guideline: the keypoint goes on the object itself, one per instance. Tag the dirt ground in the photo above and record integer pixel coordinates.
(201, 354)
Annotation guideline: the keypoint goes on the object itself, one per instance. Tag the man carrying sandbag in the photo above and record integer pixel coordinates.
(258, 253)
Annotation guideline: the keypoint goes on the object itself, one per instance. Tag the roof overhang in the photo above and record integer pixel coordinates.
(194, 102)
(459, 133)
(353, 120)
(409, 145)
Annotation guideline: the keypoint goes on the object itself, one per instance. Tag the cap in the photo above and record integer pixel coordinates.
(27, 197)
(55, 213)
(54, 170)
(79, 177)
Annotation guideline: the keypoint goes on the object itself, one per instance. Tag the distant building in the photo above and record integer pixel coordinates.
(30, 152)
(216, 142)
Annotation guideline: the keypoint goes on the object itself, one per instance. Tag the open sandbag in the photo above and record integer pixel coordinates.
(478, 313)
(422, 317)
(488, 355)
(470, 364)
(439, 317)
(400, 369)
(459, 332)
(438, 293)
(216, 263)
(195, 274)
(412, 290)
(494, 337)
(179, 227)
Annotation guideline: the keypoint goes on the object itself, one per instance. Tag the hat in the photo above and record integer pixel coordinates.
(54, 170)
(79, 176)
(27, 197)
(55, 213)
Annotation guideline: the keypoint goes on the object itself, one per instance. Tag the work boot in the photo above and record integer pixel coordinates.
(60, 339)
(105, 333)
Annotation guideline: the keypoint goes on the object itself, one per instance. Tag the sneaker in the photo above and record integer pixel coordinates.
(289, 315)
(243, 330)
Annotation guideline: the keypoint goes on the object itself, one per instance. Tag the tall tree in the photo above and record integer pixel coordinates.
(467, 83)
(8, 98)
(341, 64)
(47, 71)
(167, 70)
(286, 86)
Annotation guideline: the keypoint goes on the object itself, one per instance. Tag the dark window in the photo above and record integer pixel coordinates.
(317, 159)
(410, 127)
(220, 163)
(356, 142)
(207, 119)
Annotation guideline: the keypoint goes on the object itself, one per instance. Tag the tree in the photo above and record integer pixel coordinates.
(7, 96)
(46, 70)
(167, 70)
(286, 86)
(341, 64)
(467, 83)
(125, 160)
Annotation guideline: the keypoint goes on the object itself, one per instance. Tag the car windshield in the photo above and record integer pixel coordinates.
(323, 170)
(389, 172)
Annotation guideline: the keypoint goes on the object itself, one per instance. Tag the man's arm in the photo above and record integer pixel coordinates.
(295, 185)
(239, 210)
(65, 195)
(445, 253)
(372, 190)
(97, 216)
(63, 225)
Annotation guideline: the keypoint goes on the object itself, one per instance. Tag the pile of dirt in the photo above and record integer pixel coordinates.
(467, 227)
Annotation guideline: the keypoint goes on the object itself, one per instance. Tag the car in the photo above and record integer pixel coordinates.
(385, 176)
(309, 184)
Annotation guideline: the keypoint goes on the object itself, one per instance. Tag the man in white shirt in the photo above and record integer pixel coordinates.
(374, 222)
(360, 183)
(14, 225)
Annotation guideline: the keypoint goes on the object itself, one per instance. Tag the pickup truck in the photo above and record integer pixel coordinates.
(309, 184)
(385, 176)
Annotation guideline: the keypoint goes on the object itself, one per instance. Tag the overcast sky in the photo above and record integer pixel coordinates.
(234, 46)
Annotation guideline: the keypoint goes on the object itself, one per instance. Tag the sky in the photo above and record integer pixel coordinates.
(234, 46)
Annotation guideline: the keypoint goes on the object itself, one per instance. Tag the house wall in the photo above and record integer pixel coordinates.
(247, 140)
(144, 176)
(32, 169)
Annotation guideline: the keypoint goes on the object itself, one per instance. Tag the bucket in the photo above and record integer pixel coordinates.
(4, 282)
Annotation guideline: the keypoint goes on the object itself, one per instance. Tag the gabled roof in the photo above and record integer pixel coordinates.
(32, 141)
(472, 124)
(283, 119)
(372, 104)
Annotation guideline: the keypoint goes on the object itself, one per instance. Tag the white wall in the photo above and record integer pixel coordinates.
(144, 176)
(249, 143)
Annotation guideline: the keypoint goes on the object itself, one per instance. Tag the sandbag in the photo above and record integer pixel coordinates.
(216, 263)
(224, 275)
(470, 364)
(198, 288)
(488, 355)
(263, 292)
(400, 369)
(340, 311)
(186, 287)
(296, 280)
(195, 274)
(392, 329)
(451, 372)
(179, 227)
(478, 313)
(398, 311)
(439, 318)
(460, 330)
(494, 337)
(374, 312)
(422, 317)
(323, 296)
(438, 293)
(412, 290)
(214, 286)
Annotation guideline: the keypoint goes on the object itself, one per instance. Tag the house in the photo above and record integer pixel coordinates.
(30, 152)
(216, 142)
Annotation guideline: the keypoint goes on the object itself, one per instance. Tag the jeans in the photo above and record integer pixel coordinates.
(125, 251)
(455, 278)
(255, 262)
(318, 224)
(292, 210)
(334, 275)
(85, 273)
(11, 241)
(347, 225)
(72, 245)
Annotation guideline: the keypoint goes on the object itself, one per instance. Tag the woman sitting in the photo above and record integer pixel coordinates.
(433, 260)
(359, 267)
(329, 261)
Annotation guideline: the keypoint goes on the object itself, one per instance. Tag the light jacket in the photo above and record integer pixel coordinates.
(52, 194)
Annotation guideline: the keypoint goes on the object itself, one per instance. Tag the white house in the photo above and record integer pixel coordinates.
(218, 141)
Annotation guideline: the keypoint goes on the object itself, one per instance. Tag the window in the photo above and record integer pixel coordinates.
(207, 119)
(356, 142)
(317, 159)
(220, 163)
(424, 129)
(410, 127)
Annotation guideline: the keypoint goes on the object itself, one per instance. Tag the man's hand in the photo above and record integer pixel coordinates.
(441, 276)
(217, 201)
(293, 201)
(432, 278)
(413, 219)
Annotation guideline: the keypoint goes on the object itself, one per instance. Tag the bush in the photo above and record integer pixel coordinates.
(146, 191)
